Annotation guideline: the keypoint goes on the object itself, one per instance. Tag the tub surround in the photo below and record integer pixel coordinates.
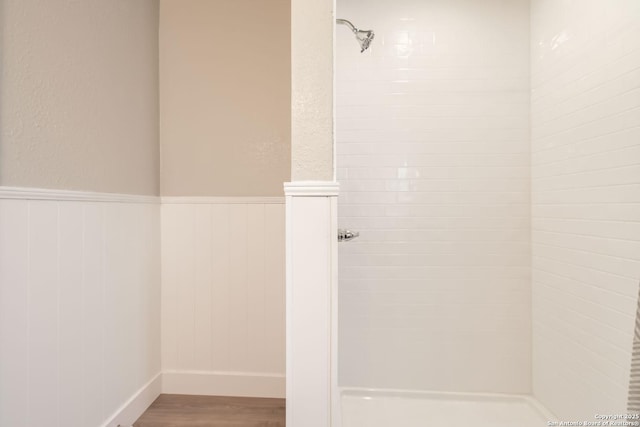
(585, 103)
(433, 163)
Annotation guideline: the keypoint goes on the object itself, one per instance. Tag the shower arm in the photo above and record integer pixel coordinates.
(348, 24)
(364, 37)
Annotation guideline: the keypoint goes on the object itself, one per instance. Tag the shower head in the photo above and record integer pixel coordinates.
(364, 37)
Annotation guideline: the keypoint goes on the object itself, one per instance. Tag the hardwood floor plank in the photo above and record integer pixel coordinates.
(173, 410)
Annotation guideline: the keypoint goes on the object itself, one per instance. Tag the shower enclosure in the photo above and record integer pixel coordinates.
(487, 152)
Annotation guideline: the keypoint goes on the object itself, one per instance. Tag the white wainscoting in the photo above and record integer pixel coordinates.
(79, 308)
(223, 302)
(312, 280)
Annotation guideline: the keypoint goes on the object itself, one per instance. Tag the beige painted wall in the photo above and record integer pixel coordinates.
(225, 97)
(312, 24)
(79, 95)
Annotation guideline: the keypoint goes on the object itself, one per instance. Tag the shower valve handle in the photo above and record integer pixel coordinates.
(346, 235)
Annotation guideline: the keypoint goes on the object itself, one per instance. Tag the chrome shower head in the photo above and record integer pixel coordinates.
(364, 37)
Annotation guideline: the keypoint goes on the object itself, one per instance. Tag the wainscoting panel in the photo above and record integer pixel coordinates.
(79, 308)
(311, 290)
(223, 304)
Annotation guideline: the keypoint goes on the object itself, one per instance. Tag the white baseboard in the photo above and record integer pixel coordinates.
(128, 413)
(241, 384)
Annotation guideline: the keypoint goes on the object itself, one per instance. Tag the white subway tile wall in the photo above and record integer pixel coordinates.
(586, 202)
(433, 158)
(223, 303)
(79, 309)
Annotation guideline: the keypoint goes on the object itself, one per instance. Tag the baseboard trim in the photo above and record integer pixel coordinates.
(128, 413)
(241, 384)
(24, 193)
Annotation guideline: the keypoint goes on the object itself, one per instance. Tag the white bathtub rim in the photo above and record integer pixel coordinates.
(364, 392)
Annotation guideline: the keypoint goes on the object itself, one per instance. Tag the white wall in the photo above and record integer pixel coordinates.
(223, 304)
(586, 202)
(433, 163)
(79, 309)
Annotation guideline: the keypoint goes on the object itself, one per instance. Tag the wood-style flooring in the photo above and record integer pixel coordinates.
(172, 410)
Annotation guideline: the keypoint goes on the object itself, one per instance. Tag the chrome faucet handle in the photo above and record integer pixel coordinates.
(346, 235)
